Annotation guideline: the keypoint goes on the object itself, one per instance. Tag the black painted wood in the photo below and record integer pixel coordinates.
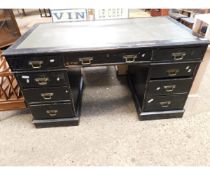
(124, 56)
(164, 103)
(35, 62)
(169, 86)
(56, 122)
(42, 79)
(47, 94)
(173, 70)
(161, 115)
(180, 53)
(52, 111)
(159, 52)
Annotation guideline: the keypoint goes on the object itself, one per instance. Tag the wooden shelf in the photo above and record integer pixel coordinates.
(7, 39)
(9, 32)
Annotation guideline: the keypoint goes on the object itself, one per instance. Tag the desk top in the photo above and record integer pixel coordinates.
(103, 35)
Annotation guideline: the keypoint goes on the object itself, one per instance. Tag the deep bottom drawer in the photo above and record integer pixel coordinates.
(52, 111)
(164, 103)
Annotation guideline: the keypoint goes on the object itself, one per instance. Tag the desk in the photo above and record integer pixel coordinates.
(162, 57)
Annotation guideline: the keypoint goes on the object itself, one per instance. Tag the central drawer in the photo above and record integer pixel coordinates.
(42, 79)
(164, 103)
(47, 94)
(114, 57)
(169, 86)
(52, 111)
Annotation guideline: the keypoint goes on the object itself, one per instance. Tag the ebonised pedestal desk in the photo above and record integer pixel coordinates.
(163, 57)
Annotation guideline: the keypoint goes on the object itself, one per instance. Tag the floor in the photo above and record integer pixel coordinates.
(109, 132)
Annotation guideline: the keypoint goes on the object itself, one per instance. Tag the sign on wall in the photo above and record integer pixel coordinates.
(111, 13)
(69, 15)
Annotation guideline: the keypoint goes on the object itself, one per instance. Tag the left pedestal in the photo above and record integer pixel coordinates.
(52, 92)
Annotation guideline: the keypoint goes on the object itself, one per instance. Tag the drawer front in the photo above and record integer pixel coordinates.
(42, 95)
(35, 62)
(42, 79)
(173, 70)
(171, 86)
(129, 56)
(52, 111)
(179, 53)
(164, 103)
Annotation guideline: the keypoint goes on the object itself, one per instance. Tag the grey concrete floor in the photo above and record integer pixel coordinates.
(109, 132)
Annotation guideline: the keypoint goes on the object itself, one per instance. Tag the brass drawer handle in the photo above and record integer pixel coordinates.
(47, 96)
(69, 64)
(169, 88)
(130, 58)
(36, 64)
(52, 113)
(172, 72)
(42, 81)
(165, 104)
(86, 60)
(178, 56)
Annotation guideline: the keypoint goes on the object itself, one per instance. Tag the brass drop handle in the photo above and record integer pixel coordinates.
(36, 64)
(42, 81)
(47, 96)
(130, 58)
(165, 104)
(169, 88)
(52, 113)
(86, 60)
(178, 56)
(172, 72)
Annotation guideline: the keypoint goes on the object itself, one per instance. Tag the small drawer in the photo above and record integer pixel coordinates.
(172, 70)
(40, 95)
(52, 111)
(164, 103)
(170, 86)
(35, 62)
(179, 53)
(42, 79)
(86, 59)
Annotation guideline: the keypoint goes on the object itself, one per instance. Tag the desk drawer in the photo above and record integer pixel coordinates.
(42, 79)
(52, 111)
(35, 62)
(164, 103)
(124, 56)
(170, 86)
(173, 70)
(179, 53)
(47, 94)
(132, 56)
